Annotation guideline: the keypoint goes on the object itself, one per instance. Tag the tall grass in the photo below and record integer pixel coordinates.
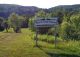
(23, 45)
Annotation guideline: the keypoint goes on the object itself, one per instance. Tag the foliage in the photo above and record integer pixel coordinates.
(67, 31)
(6, 25)
(41, 14)
(75, 21)
(15, 22)
(31, 23)
(1, 24)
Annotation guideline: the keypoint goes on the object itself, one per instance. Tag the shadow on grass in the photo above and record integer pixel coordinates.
(62, 55)
(8, 32)
(57, 54)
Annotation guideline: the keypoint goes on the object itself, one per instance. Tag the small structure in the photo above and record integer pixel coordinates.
(45, 23)
(49, 22)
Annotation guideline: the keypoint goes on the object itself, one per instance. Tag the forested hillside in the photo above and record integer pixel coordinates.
(66, 7)
(7, 9)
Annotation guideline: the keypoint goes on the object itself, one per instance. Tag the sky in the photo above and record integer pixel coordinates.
(41, 3)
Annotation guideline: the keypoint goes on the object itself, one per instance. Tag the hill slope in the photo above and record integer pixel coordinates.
(7, 9)
(66, 7)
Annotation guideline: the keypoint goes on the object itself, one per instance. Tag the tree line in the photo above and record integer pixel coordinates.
(14, 21)
(69, 23)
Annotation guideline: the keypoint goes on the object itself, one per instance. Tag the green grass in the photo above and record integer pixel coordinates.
(23, 45)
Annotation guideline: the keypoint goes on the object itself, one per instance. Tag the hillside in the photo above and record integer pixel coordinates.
(66, 8)
(7, 9)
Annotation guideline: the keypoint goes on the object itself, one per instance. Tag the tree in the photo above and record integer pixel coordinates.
(6, 25)
(31, 23)
(75, 21)
(67, 15)
(15, 21)
(1, 24)
(25, 22)
(41, 14)
(67, 31)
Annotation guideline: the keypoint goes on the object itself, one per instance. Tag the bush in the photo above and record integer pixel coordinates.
(67, 31)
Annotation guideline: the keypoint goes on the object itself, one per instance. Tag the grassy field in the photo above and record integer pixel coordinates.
(23, 45)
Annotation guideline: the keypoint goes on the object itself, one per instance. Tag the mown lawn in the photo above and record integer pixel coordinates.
(23, 45)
